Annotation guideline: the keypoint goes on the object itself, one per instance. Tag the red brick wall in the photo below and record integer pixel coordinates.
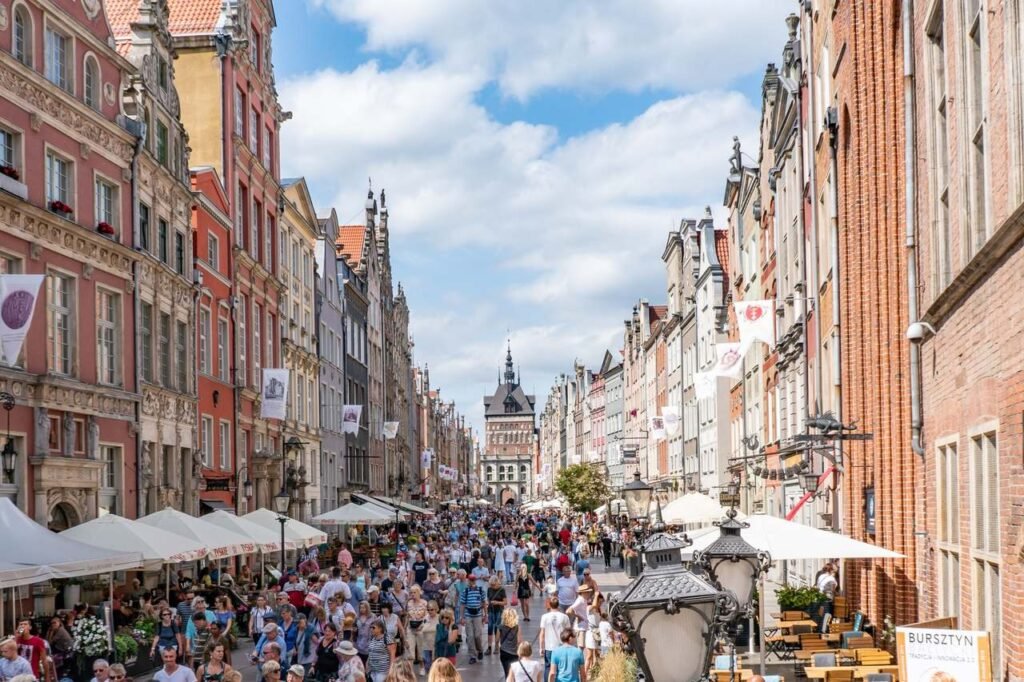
(867, 40)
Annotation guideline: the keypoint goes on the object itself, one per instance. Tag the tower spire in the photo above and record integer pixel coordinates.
(510, 372)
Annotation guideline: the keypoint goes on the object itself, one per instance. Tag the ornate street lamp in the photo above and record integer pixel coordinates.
(281, 503)
(672, 613)
(9, 454)
(732, 563)
(809, 479)
(637, 495)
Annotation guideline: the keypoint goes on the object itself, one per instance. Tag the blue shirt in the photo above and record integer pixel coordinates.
(567, 661)
(472, 601)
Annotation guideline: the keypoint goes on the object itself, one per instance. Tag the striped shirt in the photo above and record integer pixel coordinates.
(472, 601)
(379, 660)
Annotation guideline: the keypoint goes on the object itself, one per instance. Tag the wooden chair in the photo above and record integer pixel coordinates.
(862, 642)
(794, 615)
(812, 641)
(801, 629)
(839, 675)
(836, 627)
(840, 607)
(873, 657)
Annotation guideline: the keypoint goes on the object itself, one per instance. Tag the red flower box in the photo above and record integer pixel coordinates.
(105, 228)
(60, 207)
(11, 172)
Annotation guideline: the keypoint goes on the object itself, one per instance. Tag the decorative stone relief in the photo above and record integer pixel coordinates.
(83, 150)
(92, 8)
(35, 121)
(108, 92)
(3, 18)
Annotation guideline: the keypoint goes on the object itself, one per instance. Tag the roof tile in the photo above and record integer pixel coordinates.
(194, 16)
(350, 241)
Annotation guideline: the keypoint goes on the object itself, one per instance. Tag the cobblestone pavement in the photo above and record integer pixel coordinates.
(488, 669)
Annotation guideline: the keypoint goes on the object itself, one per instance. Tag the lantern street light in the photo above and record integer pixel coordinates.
(637, 495)
(9, 454)
(732, 563)
(281, 503)
(673, 613)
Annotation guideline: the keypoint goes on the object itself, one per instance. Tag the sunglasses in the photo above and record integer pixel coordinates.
(117, 677)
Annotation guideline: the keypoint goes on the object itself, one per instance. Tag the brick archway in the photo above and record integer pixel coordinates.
(507, 495)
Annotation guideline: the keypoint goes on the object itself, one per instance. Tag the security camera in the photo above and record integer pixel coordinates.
(919, 331)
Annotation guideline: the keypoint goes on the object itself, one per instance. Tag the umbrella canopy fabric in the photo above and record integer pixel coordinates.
(404, 506)
(219, 541)
(36, 553)
(119, 534)
(266, 540)
(298, 532)
(379, 505)
(482, 502)
(786, 540)
(692, 508)
(351, 514)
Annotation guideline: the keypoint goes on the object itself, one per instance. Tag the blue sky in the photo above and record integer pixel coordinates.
(536, 155)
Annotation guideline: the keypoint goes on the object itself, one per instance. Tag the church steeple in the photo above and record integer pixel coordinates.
(510, 372)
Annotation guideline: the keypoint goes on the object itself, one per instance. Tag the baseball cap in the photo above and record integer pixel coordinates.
(471, 576)
(298, 671)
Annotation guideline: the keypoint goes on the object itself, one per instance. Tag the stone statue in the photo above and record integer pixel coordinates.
(197, 463)
(42, 431)
(92, 438)
(69, 435)
(147, 464)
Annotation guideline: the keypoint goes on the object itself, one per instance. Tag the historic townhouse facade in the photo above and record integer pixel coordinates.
(330, 343)
(177, 443)
(509, 422)
(351, 251)
(613, 407)
(68, 148)
(299, 233)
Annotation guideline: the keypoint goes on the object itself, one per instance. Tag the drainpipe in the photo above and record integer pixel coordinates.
(137, 307)
(916, 420)
(837, 348)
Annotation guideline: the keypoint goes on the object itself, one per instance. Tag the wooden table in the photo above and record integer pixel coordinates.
(790, 624)
(859, 671)
(724, 675)
(778, 616)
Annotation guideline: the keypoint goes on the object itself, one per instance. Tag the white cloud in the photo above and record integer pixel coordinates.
(588, 45)
(573, 228)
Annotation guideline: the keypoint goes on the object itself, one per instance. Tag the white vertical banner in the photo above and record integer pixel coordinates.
(755, 321)
(426, 457)
(704, 385)
(350, 416)
(275, 394)
(656, 428)
(670, 416)
(390, 430)
(730, 360)
(18, 295)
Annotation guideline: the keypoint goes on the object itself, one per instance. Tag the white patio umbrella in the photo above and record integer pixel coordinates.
(482, 502)
(352, 514)
(219, 541)
(266, 540)
(298, 532)
(694, 508)
(157, 545)
(790, 540)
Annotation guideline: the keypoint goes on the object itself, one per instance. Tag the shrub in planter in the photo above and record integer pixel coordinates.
(615, 666)
(125, 648)
(105, 228)
(11, 172)
(60, 207)
(798, 598)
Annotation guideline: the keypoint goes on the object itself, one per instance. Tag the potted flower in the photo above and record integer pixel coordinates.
(126, 649)
(91, 641)
(58, 206)
(105, 228)
(10, 181)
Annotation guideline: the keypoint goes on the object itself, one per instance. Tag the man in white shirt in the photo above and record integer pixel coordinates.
(508, 553)
(172, 672)
(552, 623)
(568, 588)
(334, 586)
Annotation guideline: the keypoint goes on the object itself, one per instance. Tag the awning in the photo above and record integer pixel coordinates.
(405, 506)
(267, 540)
(380, 505)
(219, 541)
(302, 534)
(352, 514)
(695, 508)
(119, 534)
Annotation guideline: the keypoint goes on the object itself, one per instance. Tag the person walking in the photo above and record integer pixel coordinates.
(567, 663)
(552, 624)
(471, 606)
(425, 638)
(214, 669)
(525, 668)
(446, 638)
(524, 590)
(171, 671)
(509, 636)
(444, 670)
(381, 653)
(497, 600)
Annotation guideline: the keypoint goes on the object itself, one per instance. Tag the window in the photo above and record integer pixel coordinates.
(239, 112)
(162, 142)
(947, 477)
(205, 362)
(225, 446)
(110, 458)
(22, 46)
(243, 340)
(58, 59)
(935, 55)
(162, 235)
(241, 205)
(179, 252)
(61, 309)
(257, 343)
(91, 82)
(268, 146)
(164, 350)
(213, 251)
(987, 606)
(985, 493)
(9, 151)
(268, 243)
(146, 341)
(222, 349)
(270, 359)
(206, 446)
(162, 76)
(182, 368)
(255, 50)
(108, 326)
(977, 224)
(106, 203)
(254, 130)
(144, 227)
(300, 400)
(254, 234)
(58, 178)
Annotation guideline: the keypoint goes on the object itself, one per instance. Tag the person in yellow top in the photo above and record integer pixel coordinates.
(592, 540)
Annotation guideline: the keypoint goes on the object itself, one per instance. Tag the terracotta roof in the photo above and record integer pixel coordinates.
(120, 14)
(194, 16)
(657, 312)
(350, 241)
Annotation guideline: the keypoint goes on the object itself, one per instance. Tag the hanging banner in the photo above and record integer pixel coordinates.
(704, 385)
(390, 430)
(350, 416)
(756, 322)
(275, 394)
(730, 360)
(934, 654)
(425, 459)
(670, 415)
(656, 428)
(18, 295)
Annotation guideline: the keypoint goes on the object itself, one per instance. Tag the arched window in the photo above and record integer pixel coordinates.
(22, 43)
(91, 82)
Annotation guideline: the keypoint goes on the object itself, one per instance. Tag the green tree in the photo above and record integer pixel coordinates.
(583, 487)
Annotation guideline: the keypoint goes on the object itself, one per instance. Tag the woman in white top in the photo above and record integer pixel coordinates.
(526, 669)
(592, 637)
